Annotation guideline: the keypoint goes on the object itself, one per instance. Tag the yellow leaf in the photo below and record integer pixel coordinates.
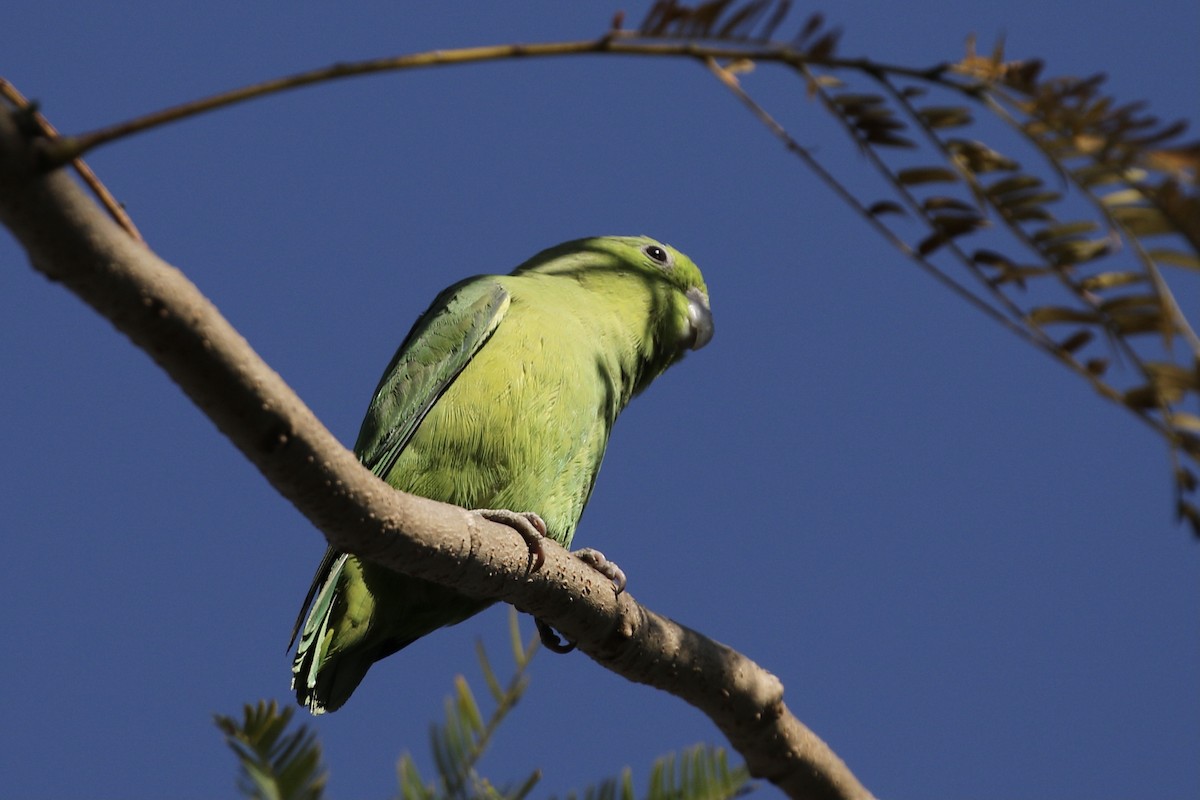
(1123, 197)
(1182, 419)
(1044, 315)
(1110, 280)
(1175, 258)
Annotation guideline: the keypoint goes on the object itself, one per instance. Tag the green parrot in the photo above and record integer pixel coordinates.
(502, 396)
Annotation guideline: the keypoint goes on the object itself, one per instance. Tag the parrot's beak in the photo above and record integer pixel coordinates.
(700, 317)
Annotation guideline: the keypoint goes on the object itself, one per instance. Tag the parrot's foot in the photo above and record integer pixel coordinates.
(531, 527)
(596, 560)
(550, 638)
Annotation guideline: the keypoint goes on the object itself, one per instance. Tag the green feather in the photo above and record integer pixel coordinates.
(502, 395)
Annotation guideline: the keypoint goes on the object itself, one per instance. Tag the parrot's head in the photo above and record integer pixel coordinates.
(638, 269)
(679, 288)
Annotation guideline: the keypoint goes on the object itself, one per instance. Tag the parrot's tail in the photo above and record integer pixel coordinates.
(324, 674)
(358, 613)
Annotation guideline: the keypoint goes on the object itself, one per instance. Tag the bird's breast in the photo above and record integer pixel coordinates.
(523, 427)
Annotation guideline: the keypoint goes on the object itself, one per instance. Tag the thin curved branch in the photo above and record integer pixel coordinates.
(71, 241)
(59, 150)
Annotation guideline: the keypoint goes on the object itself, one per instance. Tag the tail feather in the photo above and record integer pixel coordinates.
(323, 684)
(358, 614)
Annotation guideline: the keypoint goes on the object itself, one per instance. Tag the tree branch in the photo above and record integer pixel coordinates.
(70, 240)
(58, 150)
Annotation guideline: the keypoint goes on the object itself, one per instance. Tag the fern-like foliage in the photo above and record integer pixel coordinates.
(275, 765)
(701, 772)
(1066, 216)
(460, 741)
(279, 765)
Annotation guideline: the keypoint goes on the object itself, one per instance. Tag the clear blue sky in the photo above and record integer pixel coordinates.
(960, 561)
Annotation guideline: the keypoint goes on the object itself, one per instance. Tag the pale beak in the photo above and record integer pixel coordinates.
(700, 317)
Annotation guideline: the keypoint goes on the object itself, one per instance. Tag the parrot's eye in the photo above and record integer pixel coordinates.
(657, 254)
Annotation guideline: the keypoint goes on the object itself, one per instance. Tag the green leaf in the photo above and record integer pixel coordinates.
(412, 787)
(275, 765)
(525, 788)
(461, 740)
(698, 772)
(489, 674)
(467, 707)
(521, 653)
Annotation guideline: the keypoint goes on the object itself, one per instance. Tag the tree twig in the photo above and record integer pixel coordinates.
(57, 151)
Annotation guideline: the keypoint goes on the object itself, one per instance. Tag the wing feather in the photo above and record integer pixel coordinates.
(440, 345)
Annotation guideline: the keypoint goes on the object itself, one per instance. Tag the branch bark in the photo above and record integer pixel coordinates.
(70, 240)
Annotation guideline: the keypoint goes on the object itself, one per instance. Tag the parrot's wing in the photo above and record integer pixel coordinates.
(437, 349)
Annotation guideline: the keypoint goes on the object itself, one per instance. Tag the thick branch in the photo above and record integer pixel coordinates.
(71, 241)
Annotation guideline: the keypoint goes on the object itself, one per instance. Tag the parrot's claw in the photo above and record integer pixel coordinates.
(596, 560)
(550, 638)
(531, 527)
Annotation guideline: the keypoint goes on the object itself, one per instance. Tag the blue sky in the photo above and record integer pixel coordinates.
(959, 560)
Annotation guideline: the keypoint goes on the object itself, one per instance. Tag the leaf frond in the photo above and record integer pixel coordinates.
(275, 764)
(461, 739)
